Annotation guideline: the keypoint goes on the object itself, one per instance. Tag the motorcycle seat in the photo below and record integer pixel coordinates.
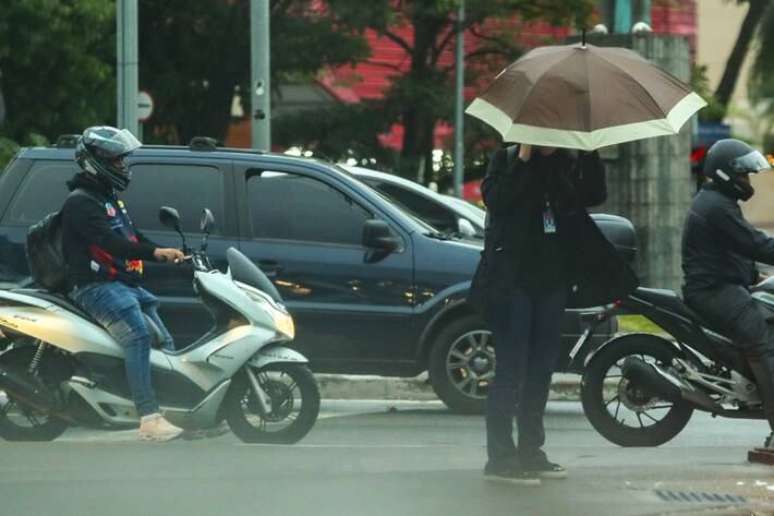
(671, 301)
(66, 303)
(57, 299)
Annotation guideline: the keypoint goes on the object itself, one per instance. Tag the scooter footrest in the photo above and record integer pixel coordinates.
(761, 456)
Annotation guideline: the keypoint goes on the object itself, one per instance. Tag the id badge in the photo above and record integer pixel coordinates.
(549, 222)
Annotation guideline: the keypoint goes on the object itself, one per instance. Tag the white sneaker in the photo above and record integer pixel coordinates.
(154, 427)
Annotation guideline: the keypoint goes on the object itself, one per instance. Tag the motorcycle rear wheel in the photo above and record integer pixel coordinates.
(17, 421)
(608, 414)
(295, 404)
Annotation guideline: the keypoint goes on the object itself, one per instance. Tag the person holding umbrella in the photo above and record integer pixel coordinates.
(542, 252)
(536, 246)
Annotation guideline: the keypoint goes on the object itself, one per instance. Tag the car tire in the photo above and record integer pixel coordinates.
(461, 364)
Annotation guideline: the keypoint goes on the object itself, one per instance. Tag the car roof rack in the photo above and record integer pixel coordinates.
(67, 141)
(203, 143)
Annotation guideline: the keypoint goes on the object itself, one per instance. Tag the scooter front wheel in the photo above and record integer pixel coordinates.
(294, 398)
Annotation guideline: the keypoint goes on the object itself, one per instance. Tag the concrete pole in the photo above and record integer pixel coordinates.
(126, 41)
(260, 69)
(459, 101)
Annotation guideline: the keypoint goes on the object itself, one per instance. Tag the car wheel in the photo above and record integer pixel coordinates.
(461, 365)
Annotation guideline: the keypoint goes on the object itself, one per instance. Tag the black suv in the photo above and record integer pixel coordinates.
(373, 290)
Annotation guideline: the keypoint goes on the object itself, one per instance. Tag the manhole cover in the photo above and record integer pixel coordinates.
(698, 497)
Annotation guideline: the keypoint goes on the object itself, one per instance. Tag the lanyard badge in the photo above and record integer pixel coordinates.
(549, 221)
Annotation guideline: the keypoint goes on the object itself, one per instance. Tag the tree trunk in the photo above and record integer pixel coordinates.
(418, 119)
(736, 59)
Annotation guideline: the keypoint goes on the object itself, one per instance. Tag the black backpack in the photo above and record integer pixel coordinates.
(45, 256)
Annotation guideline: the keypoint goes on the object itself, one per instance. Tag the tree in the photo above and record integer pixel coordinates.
(422, 94)
(762, 78)
(194, 56)
(57, 61)
(752, 21)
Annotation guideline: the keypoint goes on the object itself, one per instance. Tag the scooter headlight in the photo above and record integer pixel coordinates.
(284, 323)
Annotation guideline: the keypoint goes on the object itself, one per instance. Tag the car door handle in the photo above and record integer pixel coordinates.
(270, 267)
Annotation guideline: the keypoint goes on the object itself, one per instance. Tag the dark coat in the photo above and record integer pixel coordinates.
(719, 246)
(597, 274)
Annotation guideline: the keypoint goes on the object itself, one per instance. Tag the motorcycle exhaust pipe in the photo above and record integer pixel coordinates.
(644, 375)
(27, 389)
(666, 386)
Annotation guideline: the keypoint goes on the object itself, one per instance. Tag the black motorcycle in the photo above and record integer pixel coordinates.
(641, 389)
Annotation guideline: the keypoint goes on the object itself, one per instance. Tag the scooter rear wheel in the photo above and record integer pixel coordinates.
(623, 412)
(295, 404)
(17, 421)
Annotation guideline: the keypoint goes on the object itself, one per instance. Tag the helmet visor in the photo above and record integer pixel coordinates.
(750, 163)
(112, 145)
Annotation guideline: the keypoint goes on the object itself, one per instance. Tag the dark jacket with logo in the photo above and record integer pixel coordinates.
(99, 241)
(719, 246)
(515, 194)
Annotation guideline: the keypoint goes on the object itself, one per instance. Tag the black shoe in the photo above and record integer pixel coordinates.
(769, 443)
(509, 472)
(543, 468)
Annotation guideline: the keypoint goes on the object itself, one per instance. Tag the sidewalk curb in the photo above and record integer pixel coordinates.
(565, 387)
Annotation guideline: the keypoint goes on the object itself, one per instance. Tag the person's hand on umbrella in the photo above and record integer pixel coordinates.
(525, 151)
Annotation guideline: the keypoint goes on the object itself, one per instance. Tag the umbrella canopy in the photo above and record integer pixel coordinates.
(584, 97)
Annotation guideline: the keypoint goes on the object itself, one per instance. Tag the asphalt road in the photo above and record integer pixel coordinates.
(384, 458)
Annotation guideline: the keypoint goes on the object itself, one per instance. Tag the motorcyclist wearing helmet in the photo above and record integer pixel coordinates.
(720, 250)
(104, 255)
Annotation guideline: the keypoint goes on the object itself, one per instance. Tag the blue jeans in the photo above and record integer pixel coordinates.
(526, 327)
(119, 309)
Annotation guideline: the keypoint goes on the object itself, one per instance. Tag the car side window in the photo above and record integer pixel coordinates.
(42, 191)
(431, 212)
(187, 188)
(286, 206)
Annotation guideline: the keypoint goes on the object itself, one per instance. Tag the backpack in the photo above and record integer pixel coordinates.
(45, 256)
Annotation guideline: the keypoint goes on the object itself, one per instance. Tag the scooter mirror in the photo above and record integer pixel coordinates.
(170, 218)
(208, 221)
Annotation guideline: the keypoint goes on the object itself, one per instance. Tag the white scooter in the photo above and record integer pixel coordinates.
(59, 367)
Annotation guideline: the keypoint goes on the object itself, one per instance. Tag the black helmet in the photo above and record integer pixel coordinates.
(102, 152)
(728, 161)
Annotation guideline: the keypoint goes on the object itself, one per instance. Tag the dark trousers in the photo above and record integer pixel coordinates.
(732, 310)
(527, 329)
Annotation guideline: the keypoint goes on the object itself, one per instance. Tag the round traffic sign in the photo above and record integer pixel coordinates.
(144, 106)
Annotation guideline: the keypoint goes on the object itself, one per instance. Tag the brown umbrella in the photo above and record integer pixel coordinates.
(584, 97)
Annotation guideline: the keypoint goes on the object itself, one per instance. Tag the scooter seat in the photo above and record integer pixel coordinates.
(57, 299)
(67, 304)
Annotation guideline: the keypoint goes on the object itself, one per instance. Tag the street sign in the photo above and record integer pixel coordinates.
(144, 106)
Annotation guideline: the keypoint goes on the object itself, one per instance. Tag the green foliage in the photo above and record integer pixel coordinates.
(56, 59)
(8, 148)
(762, 77)
(423, 95)
(340, 132)
(715, 111)
(195, 55)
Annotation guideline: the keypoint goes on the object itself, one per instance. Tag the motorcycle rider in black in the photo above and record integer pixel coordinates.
(720, 250)
(104, 256)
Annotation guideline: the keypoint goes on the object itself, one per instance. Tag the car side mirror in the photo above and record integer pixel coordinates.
(465, 228)
(208, 221)
(377, 235)
(170, 218)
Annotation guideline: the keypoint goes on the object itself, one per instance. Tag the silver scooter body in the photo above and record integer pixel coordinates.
(256, 330)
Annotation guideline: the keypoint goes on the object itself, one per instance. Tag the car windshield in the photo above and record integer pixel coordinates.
(403, 208)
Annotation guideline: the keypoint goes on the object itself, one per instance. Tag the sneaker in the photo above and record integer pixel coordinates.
(543, 468)
(154, 427)
(509, 472)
